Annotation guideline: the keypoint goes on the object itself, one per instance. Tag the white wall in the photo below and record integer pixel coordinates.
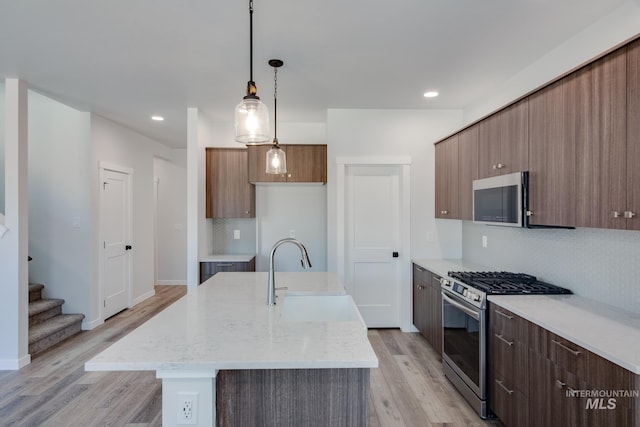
(120, 146)
(60, 233)
(172, 221)
(1, 147)
(281, 208)
(396, 133)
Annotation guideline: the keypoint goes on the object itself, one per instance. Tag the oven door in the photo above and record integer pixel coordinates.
(464, 341)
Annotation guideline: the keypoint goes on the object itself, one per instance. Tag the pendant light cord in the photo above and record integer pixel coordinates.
(275, 105)
(251, 40)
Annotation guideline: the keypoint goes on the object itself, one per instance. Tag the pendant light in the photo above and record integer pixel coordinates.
(251, 115)
(276, 157)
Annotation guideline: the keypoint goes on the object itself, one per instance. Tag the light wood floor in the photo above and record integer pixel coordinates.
(408, 389)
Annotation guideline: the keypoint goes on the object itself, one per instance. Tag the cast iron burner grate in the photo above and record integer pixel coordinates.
(504, 282)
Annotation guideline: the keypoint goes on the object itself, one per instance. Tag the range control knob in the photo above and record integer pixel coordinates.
(465, 293)
(475, 297)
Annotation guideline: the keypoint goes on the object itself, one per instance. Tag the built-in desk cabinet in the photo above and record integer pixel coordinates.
(228, 191)
(427, 306)
(305, 163)
(536, 377)
(209, 268)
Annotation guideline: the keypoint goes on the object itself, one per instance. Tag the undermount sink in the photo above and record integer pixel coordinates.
(319, 308)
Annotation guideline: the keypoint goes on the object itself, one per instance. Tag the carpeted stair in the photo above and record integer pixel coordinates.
(47, 325)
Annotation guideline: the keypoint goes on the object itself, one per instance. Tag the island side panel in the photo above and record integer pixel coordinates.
(293, 397)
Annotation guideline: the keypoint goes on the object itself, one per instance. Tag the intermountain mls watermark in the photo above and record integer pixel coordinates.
(602, 399)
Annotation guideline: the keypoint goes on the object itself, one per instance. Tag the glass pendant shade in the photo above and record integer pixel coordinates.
(276, 161)
(252, 121)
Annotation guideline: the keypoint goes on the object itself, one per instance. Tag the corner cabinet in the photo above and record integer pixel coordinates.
(427, 306)
(305, 163)
(446, 170)
(228, 191)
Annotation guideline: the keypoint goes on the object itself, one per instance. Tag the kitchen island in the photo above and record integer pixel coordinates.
(233, 360)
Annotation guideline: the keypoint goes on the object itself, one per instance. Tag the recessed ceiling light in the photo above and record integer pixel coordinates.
(157, 118)
(431, 94)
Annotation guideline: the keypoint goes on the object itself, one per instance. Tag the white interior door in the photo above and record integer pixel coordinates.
(115, 230)
(372, 240)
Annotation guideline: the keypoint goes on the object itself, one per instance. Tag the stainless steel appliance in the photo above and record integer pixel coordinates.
(465, 326)
(501, 200)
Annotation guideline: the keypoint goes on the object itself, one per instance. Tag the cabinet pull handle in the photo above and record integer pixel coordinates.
(419, 269)
(225, 265)
(504, 340)
(560, 384)
(504, 314)
(529, 213)
(615, 214)
(503, 387)
(444, 212)
(629, 214)
(500, 166)
(572, 351)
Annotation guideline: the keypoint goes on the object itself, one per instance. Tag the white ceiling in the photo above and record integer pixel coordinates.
(128, 59)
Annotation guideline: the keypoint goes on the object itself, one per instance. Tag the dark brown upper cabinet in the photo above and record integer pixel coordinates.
(632, 212)
(552, 157)
(503, 141)
(228, 191)
(598, 116)
(446, 179)
(305, 163)
(468, 169)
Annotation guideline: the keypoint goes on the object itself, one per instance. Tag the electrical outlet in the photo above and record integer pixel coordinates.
(236, 234)
(187, 408)
(484, 241)
(431, 236)
(292, 233)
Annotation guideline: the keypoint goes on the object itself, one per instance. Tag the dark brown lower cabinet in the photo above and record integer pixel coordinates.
(209, 268)
(293, 397)
(556, 382)
(427, 306)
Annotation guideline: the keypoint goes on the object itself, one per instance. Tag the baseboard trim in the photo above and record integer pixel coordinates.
(143, 297)
(87, 326)
(172, 282)
(14, 364)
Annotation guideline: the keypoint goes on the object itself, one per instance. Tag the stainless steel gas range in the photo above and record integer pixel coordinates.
(465, 326)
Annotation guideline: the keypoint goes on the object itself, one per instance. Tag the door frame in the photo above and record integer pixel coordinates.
(404, 162)
(107, 166)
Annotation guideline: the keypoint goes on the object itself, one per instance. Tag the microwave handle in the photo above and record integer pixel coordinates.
(461, 307)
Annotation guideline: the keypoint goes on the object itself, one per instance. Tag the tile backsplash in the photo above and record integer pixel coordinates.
(222, 232)
(603, 265)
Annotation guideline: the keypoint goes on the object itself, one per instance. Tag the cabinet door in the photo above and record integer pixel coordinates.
(229, 193)
(306, 163)
(420, 298)
(446, 158)
(468, 170)
(552, 159)
(503, 141)
(258, 165)
(597, 113)
(633, 136)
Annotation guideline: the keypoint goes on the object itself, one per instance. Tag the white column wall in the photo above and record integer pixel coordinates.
(14, 244)
(1, 148)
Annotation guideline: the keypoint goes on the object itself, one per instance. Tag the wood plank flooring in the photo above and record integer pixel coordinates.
(408, 389)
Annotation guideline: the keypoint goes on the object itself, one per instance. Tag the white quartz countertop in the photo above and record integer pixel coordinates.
(226, 324)
(228, 258)
(607, 331)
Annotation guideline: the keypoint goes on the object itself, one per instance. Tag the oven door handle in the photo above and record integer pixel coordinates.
(461, 307)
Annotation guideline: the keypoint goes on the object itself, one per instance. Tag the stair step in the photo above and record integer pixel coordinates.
(52, 331)
(35, 291)
(44, 309)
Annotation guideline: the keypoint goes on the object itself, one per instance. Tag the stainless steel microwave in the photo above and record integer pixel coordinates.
(501, 200)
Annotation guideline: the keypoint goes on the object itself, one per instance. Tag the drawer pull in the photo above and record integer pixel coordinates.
(224, 265)
(503, 339)
(504, 315)
(570, 350)
(503, 387)
(560, 384)
(419, 269)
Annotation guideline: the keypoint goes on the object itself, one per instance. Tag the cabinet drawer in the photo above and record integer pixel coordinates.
(509, 360)
(508, 403)
(209, 268)
(508, 324)
(568, 356)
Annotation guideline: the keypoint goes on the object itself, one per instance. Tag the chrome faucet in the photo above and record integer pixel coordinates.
(271, 289)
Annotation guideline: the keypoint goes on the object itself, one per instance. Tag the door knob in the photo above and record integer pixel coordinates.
(395, 254)
(128, 248)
